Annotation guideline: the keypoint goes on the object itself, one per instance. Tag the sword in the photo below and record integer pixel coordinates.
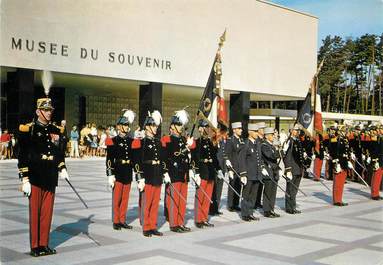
(203, 191)
(78, 195)
(179, 194)
(356, 160)
(91, 238)
(320, 180)
(360, 177)
(231, 187)
(295, 186)
(276, 183)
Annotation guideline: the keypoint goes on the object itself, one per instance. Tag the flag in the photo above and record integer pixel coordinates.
(305, 114)
(318, 122)
(212, 105)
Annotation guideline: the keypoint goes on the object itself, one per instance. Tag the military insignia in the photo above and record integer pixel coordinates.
(39, 134)
(252, 150)
(150, 146)
(121, 144)
(205, 146)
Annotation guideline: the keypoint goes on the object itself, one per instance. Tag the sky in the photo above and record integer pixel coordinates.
(345, 18)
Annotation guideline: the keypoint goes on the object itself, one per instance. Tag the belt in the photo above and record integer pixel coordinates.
(123, 161)
(206, 160)
(46, 157)
(152, 162)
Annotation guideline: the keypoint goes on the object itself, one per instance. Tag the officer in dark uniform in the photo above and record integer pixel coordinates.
(151, 172)
(252, 171)
(206, 165)
(294, 167)
(356, 148)
(40, 163)
(119, 164)
(340, 153)
(270, 156)
(375, 149)
(233, 147)
(308, 145)
(218, 183)
(178, 161)
(258, 202)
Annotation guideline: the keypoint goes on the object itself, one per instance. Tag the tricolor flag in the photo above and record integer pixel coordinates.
(212, 106)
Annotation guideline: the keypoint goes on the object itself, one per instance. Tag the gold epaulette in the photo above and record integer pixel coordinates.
(25, 127)
(334, 140)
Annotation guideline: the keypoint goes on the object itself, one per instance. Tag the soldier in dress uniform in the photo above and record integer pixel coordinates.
(261, 138)
(270, 156)
(356, 148)
(332, 137)
(40, 163)
(375, 149)
(221, 139)
(234, 144)
(308, 144)
(340, 155)
(151, 172)
(206, 165)
(119, 169)
(178, 162)
(252, 171)
(294, 167)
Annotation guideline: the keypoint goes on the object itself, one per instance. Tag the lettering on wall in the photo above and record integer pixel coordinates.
(89, 54)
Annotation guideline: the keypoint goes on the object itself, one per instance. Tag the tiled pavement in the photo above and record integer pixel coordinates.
(322, 234)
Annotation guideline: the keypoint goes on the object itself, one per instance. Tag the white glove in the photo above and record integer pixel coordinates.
(286, 146)
(26, 187)
(280, 173)
(141, 184)
(363, 157)
(228, 163)
(368, 160)
(313, 157)
(289, 175)
(197, 179)
(63, 174)
(338, 169)
(231, 174)
(326, 156)
(264, 172)
(244, 180)
(189, 141)
(353, 157)
(305, 155)
(220, 174)
(376, 165)
(166, 178)
(349, 165)
(111, 180)
(191, 173)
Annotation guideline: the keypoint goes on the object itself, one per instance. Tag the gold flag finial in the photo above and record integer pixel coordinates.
(222, 39)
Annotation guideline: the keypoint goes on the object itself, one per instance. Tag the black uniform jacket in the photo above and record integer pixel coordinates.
(39, 158)
(294, 160)
(204, 156)
(250, 160)
(340, 149)
(270, 156)
(119, 159)
(233, 147)
(149, 160)
(176, 157)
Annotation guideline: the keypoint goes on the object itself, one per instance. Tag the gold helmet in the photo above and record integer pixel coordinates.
(44, 104)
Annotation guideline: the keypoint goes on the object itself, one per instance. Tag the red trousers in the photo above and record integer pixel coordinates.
(338, 185)
(317, 168)
(40, 216)
(201, 202)
(375, 182)
(148, 207)
(120, 202)
(176, 206)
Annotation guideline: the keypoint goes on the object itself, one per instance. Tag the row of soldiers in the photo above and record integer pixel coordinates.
(252, 166)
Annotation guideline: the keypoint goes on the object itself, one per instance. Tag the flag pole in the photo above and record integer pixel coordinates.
(200, 105)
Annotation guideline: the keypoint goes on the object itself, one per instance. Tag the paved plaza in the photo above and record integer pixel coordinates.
(322, 234)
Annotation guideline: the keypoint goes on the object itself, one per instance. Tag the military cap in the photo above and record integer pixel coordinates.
(261, 125)
(252, 127)
(44, 104)
(269, 130)
(236, 125)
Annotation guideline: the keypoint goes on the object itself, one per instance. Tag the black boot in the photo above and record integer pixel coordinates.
(48, 251)
(147, 233)
(126, 226)
(157, 233)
